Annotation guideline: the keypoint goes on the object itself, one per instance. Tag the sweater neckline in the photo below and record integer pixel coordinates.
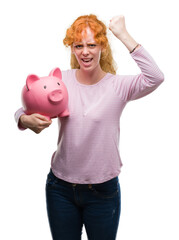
(91, 85)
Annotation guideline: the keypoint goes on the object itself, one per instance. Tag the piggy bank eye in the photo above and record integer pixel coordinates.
(58, 83)
(45, 86)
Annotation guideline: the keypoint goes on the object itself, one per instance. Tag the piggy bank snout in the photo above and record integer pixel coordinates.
(55, 96)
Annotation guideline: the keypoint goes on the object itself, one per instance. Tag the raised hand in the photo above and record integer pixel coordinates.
(117, 26)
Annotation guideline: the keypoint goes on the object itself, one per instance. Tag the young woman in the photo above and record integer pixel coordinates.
(83, 186)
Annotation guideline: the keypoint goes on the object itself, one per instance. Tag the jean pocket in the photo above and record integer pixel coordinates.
(107, 189)
(51, 179)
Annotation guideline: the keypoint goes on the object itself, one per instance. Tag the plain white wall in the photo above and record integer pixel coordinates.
(31, 42)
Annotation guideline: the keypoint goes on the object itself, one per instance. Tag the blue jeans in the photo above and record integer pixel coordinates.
(70, 205)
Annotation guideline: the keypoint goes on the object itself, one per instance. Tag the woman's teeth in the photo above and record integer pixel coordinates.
(87, 60)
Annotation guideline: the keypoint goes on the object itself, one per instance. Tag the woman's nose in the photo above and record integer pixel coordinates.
(85, 51)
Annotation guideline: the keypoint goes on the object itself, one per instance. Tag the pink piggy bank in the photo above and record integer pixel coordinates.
(47, 96)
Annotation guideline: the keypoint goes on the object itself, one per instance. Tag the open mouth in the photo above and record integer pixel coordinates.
(87, 60)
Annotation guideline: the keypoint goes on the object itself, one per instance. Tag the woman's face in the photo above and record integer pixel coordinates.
(87, 52)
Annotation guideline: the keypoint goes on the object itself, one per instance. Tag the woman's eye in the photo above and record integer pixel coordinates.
(45, 86)
(78, 46)
(58, 83)
(89, 46)
(92, 45)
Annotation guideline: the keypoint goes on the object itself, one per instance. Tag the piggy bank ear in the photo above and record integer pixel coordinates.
(56, 72)
(30, 79)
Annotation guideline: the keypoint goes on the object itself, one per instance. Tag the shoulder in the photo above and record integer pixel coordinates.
(114, 77)
(67, 72)
(67, 75)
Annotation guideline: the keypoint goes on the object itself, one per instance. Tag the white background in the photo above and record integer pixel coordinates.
(31, 42)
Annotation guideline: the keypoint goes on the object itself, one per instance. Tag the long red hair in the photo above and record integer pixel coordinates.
(100, 31)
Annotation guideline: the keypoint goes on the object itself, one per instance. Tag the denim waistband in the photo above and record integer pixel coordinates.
(79, 184)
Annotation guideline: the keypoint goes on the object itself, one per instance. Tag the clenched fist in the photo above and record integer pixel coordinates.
(117, 26)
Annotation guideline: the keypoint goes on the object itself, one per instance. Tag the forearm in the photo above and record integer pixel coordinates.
(128, 41)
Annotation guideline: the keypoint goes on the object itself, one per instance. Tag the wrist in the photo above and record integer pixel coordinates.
(22, 120)
(123, 36)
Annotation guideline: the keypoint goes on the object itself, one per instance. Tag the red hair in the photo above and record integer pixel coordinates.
(74, 34)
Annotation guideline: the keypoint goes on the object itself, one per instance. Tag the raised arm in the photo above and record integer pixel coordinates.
(131, 87)
(118, 28)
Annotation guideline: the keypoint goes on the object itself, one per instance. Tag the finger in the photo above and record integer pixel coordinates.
(109, 25)
(37, 131)
(114, 18)
(41, 117)
(41, 128)
(44, 123)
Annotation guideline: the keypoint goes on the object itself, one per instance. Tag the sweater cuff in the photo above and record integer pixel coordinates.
(17, 115)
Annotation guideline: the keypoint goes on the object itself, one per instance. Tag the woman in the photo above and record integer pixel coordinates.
(83, 185)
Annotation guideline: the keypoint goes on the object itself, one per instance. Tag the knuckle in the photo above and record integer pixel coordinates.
(41, 124)
(37, 130)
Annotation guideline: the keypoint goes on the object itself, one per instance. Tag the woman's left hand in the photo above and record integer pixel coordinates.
(117, 26)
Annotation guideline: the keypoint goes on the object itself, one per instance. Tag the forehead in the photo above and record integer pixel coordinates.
(86, 35)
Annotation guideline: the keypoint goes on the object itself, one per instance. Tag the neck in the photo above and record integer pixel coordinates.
(90, 77)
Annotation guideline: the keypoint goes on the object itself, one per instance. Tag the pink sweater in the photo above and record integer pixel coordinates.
(88, 142)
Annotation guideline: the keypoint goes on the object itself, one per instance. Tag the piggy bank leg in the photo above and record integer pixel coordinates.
(64, 113)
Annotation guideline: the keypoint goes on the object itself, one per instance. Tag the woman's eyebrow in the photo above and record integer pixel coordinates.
(90, 42)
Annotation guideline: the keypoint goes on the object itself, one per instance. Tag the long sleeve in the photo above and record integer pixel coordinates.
(17, 115)
(131, 87)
